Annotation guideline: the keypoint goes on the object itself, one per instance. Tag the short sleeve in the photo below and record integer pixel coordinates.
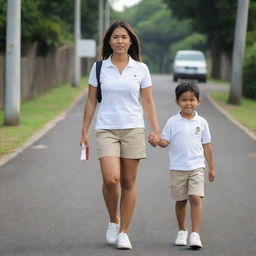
(92, 77)
(146, 81)
(166, 132)
(206, 135)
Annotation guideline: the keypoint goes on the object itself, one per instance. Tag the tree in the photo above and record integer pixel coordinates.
(235, 94)
(216, 21)
(158, 31)
(50, 23)
(249, 74)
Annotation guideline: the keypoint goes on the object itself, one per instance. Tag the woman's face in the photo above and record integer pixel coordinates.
(120, 41)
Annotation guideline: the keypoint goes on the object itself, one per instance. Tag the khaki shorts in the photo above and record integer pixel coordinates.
(187, 183)
(124, 143)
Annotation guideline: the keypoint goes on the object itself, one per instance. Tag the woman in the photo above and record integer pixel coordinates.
(120, 132)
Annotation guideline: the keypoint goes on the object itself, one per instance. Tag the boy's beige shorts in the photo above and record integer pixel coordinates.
(124, 143)
(187, 183)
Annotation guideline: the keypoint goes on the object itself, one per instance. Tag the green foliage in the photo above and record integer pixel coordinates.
(215, 18)
(89, 19)
(49, 32)
(3, 10)
(141, 12)
(192, 42)
(50, 23)
(36, 27)
(249, 74)
(251, 31)
(157, 29)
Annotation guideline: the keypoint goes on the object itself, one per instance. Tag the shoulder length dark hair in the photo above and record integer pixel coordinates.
(134, 50)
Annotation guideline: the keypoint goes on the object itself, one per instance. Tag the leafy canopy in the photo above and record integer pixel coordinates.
(51, 23)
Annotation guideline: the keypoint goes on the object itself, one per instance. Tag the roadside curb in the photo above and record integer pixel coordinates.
(40, 133)
(231, 119)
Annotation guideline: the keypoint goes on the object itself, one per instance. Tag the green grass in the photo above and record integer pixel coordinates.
(34, 114)
(245, 113)
(218, 81)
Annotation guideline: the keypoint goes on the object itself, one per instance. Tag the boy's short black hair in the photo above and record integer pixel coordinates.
(187, 86)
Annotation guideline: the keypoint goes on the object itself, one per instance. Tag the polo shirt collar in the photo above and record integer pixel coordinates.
(109, 63)
(179, 117)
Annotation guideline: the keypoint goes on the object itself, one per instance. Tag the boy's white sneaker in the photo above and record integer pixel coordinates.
(181, 237)
(195, 241)
(124, 242)
(112, 233)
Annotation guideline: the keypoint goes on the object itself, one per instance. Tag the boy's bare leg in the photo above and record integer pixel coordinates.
(180, 209)
(196, 212)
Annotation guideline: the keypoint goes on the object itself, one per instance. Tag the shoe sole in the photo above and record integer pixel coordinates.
(124, 248)
(120, 247)
(195, 246)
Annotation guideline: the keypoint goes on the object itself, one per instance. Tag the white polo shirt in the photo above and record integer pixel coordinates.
(186, 138)
(120, 107)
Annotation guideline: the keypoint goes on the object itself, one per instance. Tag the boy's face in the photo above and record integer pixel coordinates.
(188, 104)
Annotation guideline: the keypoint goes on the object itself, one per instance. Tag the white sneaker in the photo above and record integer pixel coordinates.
(124, 242)
(181, 237)
(195, 241)
(112, 233)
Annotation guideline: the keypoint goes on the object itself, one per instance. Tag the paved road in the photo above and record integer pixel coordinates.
(51, 203)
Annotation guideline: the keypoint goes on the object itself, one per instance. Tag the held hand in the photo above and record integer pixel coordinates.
(154, 138)
(151, 142)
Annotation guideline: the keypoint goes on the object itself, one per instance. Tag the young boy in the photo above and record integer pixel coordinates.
(190, 140)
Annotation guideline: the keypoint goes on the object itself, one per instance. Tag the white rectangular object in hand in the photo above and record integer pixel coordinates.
(85, 153)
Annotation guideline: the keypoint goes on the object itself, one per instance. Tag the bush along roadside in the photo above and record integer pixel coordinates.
(249, 74)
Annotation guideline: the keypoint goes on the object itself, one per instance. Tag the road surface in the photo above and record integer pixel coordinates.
(51, 202)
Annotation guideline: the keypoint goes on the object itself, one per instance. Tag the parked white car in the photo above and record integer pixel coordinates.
(190, 64)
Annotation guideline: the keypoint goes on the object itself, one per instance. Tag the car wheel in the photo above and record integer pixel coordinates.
(175, 78)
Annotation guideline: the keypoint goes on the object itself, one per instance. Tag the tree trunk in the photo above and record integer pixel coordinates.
(221, 63)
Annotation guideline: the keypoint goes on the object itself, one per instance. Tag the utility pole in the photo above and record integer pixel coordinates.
(107, 14)
(104, 17)
(238, 52)
(101, 20)
(77, 61)
(12, 73)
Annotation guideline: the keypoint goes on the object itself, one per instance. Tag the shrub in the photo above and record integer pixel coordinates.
(249, 73)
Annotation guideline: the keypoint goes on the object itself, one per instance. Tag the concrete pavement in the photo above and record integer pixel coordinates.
(51, 203)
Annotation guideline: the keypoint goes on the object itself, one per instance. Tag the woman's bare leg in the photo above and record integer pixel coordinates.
(129, 169)
(110, 168)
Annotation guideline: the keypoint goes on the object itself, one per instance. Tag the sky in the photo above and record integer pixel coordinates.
(119, 5)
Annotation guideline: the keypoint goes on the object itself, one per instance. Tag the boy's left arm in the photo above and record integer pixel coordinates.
(209, 158)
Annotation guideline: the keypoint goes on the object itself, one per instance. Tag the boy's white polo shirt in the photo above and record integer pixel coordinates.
(120, 107)
(186, 138)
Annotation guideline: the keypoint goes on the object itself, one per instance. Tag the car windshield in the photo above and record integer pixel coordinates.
(190, 57)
